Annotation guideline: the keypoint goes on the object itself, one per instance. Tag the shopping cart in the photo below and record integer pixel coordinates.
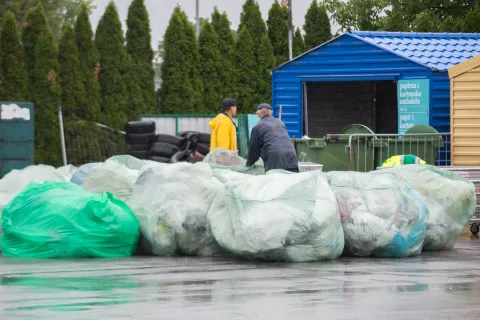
(472, 174)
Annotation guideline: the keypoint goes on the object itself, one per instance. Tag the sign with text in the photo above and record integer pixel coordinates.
(413, 103)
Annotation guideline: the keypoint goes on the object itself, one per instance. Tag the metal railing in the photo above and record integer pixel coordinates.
(366, 152)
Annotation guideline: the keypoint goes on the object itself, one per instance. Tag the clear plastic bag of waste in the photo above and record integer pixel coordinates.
(171, 202)
(381, 214)
(450, 199)
(226, 159)
(277, 217)
(111, 176)
(62, 220)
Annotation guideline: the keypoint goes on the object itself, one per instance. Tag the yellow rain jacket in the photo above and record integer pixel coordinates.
(224, 133)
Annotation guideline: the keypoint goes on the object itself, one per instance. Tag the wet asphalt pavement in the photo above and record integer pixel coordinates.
(442, 285)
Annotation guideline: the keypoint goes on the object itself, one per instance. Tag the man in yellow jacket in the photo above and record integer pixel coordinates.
(224, 131)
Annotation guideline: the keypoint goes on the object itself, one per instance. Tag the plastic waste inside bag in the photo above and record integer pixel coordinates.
(277, 217)
(171, 203)
(450, 199)
(82, 172)
(381, 214)
(111, 176)
(62, 220)
(16, 180)
(67, 171)
(226, 159)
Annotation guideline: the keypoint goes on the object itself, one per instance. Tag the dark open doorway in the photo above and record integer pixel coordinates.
(331, 106)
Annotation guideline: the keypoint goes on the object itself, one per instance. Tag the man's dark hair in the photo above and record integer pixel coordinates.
(228, 103)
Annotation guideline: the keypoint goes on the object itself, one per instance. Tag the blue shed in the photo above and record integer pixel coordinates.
(388, 81)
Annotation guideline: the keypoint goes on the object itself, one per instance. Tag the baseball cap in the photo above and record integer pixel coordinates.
(264, 106)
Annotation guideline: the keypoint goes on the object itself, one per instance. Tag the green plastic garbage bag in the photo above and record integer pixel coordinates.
(62, 220)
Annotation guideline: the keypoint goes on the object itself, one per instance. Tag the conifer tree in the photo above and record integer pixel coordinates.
(211, 65)
(251, 18)
(246, 71)
(192, 55)
(278, 31)
(317, 26)
(35, 24)
(114, 63)
(265, 64)
(89, 65)
(221, 25)
(46, 93)
(73, 90)
(298, 46)
(176, 88)
(140, 49)
(13, 77)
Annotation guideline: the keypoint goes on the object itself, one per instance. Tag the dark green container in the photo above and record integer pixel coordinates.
(332, 152)
(16, 136)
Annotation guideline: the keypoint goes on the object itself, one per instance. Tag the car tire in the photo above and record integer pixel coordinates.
(139, 127)
(162, 149)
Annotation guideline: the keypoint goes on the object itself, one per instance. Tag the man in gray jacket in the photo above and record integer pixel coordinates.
(270, 141)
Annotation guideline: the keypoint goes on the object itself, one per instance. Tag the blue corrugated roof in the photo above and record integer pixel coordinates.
(438, 51)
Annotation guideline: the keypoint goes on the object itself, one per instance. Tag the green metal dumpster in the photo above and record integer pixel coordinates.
(333, 153)
(421, 140)
(16, 136)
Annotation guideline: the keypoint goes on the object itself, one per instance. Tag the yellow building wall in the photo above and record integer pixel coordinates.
(465, 118)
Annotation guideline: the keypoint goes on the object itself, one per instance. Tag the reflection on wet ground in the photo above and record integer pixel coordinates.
(441, 285)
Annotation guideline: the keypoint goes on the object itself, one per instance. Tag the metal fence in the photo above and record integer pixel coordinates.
(175, 123)
(87, 142)
(366, 152)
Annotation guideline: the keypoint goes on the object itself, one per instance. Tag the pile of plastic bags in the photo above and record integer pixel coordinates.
(62, 220)
(221, 206)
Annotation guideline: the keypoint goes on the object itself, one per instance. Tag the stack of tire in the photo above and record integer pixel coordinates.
(139, 137)
(165, 147)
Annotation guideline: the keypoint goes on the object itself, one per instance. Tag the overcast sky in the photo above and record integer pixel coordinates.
(160, 11)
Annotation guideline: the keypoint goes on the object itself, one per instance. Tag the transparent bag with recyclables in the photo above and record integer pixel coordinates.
(277, 217)
(450, 199)
(381, 214)
(171, 203)
(111, 176)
